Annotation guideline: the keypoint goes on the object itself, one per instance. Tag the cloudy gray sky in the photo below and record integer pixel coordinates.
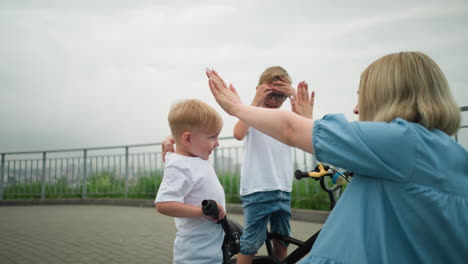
(99, 73)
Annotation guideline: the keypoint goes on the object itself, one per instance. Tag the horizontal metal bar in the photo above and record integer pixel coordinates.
(81, 149)
(93, 148)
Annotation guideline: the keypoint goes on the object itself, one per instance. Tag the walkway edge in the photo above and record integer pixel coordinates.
(297, 214)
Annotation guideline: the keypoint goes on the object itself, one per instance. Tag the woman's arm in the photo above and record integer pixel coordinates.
(285, 126)
(241, 128)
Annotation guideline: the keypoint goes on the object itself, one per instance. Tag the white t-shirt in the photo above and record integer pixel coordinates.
(191, 180)
(267, 164)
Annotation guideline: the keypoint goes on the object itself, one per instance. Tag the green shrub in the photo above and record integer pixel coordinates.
(306, 194)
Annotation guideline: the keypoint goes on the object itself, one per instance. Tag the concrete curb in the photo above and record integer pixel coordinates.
(119, 202)
(297, 214)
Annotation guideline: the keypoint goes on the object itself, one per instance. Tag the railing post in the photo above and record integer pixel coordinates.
(462, 109)
(126, 173)
(85, 168)
(1, 175)
(43, 189)
(215, 162)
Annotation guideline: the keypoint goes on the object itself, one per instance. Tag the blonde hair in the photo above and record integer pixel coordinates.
(272, 74)
(411, 86)
(189, 114)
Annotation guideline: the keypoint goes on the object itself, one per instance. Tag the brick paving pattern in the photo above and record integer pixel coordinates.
(94, 234)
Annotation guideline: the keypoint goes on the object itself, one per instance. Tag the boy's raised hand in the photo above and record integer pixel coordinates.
(283, 87)
(262, 91)
(301, 103)
(226, 97)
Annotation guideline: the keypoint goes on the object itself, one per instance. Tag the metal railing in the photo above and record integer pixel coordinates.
(462, 109)
(131, 171)
(79, 172)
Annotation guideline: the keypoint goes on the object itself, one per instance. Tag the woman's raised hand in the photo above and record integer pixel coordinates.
(226, 97)
(262, 91)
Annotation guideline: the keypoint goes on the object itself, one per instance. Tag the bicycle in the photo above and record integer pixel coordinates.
(233, 230)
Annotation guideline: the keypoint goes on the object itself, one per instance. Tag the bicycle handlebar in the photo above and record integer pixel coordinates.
(320, 171)
(210, 208)
(319, 174)
(232, 230)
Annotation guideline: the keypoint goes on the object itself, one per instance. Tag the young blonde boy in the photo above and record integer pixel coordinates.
(189, 179)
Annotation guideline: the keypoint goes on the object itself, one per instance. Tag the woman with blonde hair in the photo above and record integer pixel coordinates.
(408, 201)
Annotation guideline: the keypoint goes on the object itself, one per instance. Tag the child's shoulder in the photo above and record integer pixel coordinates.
(181, 162)
(172, 157)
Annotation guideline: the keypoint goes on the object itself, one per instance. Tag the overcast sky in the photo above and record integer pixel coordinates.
(77, 74)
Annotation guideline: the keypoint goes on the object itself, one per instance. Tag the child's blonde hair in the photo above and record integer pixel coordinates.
(411, 86)
(190, 114)
(272, 74)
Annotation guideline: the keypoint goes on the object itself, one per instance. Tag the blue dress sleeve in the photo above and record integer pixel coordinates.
(373, 149)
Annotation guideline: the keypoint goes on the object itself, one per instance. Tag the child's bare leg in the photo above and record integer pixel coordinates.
(279, 250)
(244, 259)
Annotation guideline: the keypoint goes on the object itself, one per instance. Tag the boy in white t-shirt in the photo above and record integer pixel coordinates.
(267, 167)
(189, 179)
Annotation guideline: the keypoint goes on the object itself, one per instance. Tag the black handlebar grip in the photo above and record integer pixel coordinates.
(300, 174)
(210, 208)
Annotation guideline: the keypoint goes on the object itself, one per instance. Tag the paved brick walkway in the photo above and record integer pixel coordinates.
(94, 234)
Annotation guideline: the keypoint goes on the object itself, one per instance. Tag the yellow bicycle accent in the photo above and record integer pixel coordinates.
(318, 174)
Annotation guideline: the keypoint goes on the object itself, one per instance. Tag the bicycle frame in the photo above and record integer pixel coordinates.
(231, 241)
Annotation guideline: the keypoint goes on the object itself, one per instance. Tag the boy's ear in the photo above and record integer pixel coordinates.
(186, 138)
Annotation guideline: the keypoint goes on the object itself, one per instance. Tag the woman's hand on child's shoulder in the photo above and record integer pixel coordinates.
(167, 146)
